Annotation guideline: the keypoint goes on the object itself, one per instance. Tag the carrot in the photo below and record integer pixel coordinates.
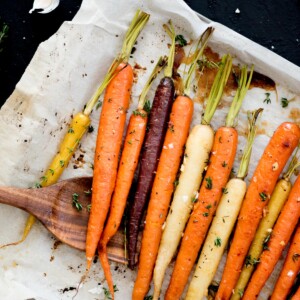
(170, 158)
(289, 270)
(198, 147)
(80, 123)
(277, 200)
(217, 174)
(262, 184)
(109, 139)
(132, 146)
(280, 236)
(223, 222)
(157, 127)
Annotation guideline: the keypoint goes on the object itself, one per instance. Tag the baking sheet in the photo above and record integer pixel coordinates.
(61, 77)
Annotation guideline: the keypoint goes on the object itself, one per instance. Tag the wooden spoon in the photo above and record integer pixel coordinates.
(53, 206)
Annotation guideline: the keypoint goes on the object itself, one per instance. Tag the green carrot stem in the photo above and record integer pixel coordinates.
(139, 21)
(217, 89)
(108, 77)
(198, 53)
(243, 86)
(294, 164)
(159, 66)
(171, 32)
(252, 118)
(137, 24)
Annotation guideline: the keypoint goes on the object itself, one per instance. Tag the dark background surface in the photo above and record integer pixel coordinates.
(274, 24)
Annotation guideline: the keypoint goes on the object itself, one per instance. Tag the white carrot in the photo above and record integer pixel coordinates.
(223, 222)
(196, 157)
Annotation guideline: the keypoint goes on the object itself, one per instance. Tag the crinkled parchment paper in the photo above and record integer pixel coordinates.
(61, 77)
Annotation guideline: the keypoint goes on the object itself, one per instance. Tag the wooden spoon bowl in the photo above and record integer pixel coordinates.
(53, 206)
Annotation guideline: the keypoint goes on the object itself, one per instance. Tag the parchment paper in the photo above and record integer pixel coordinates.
(62, 76)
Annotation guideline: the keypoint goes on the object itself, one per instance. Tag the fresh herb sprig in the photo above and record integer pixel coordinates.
(180, 40)
(75, 202)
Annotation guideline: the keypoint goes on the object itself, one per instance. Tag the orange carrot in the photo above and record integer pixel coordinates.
(212, 187)
(280, 236)
(179, 124)
(109, 139)
(271, 164)
(290, 269)
(110, 132)
(129, 160)
(220, 165)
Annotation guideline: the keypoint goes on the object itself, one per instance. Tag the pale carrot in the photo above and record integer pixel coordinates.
(271, 164)
(109, 139)
(280, 236)
(289, 270)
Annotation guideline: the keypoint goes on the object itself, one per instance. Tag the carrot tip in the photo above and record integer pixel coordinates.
(88, 263)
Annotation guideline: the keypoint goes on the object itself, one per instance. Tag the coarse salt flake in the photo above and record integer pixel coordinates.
(185, 198)
(290, 273)
(171, 146)
(282, 243)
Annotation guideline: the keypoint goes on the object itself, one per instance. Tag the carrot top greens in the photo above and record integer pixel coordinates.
(196, 56)
(217, 89)
(137, 24)
(171, 32)
(252, 118)
(243, 86)
(159, 66)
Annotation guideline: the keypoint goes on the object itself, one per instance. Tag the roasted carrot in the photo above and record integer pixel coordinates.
(80, 122)
(216, 177)
(280, 236)
(130, 155)
(277, 200)
(289, 270)
(157, 127)
(262, 184)
(170, 158)
(197, 151)
(223, 222)
(109, 139)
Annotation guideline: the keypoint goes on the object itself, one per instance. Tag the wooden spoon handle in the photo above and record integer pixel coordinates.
(15, 197)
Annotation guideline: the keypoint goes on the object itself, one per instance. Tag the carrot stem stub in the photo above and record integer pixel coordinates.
(162, 190)
(271, 164)
(110, 132)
